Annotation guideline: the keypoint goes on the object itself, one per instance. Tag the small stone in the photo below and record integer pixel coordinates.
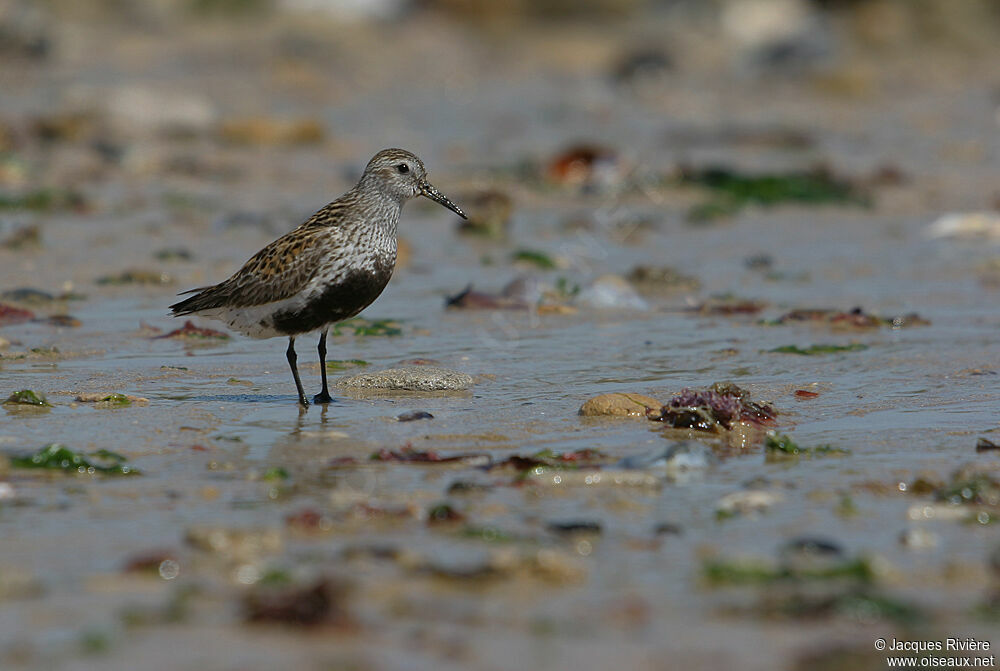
(619, 404)
(410, 378)
(747, 502)
(676, 459)
(918, 539)
(611, 292)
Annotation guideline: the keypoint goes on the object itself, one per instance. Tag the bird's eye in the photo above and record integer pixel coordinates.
(403, 168)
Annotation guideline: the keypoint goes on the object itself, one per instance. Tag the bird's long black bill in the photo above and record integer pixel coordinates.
(430, 192)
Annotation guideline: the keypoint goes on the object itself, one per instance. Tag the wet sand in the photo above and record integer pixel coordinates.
(224, 451)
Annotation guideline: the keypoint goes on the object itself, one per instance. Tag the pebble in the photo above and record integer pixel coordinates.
(676, 460)
(966, 225)
(611, 292)
(410, 378)
(748, 502)
(918, 539)
(619, 404)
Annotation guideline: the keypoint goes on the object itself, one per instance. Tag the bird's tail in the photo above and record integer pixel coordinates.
(207, 298)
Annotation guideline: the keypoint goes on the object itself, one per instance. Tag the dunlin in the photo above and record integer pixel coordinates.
(328, 269)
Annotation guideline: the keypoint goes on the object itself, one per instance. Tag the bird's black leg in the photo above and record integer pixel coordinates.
(323, 396)
(292, 358)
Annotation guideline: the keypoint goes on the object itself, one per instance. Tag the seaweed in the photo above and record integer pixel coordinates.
(134, 276)
(28, 397)
(713, 409)
(60, 457)
(986, 445)
(470, 299)
(534, 257)
(409, 455)
(732, 190)
(818, 349)
(444, 513)
(855, 318)
(283, 601)
(44, 200)
(344, 364)
(413, 416)
(781, 445)
(588, 457)
(727, 305)
(10, 315)
(365, 327)
(116, 400)
(190, 331)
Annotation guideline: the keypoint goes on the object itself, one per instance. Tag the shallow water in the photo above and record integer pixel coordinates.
(912, 404)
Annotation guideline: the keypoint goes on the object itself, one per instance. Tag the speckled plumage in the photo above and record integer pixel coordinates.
(330, 268)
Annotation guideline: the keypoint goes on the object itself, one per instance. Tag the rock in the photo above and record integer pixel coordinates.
(966, 226)
(410, 378)
(918, 538)
(677, 459)
(611, 292)
(653, 281)
(619, 404)
(111, 399)
(747, 502)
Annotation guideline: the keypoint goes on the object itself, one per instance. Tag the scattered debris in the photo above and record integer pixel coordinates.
(135, 276)
(409, 455)
(587, 167)
(320, 602)
(986, 445)
(654, 281)
(469, 299)
(852, 319)
(413, 416)
(818, 349)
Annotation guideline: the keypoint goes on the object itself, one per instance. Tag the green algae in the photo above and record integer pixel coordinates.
(344, 364)
(818, 349)
(781, 445)
(534, 257)
(42, 200)
(745, 572)
(28, 397)
(367, 327)
(116, 401)
(732, 191)
(60, 457)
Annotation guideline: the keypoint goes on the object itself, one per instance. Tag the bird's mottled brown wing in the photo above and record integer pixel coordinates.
(274, 273)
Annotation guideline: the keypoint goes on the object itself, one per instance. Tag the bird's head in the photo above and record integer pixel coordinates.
(401, 175)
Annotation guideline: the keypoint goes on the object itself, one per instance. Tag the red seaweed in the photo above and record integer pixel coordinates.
(11, 315)
(189, 330)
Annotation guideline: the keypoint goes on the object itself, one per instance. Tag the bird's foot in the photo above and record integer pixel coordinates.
(322, 397)
(303, 402)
